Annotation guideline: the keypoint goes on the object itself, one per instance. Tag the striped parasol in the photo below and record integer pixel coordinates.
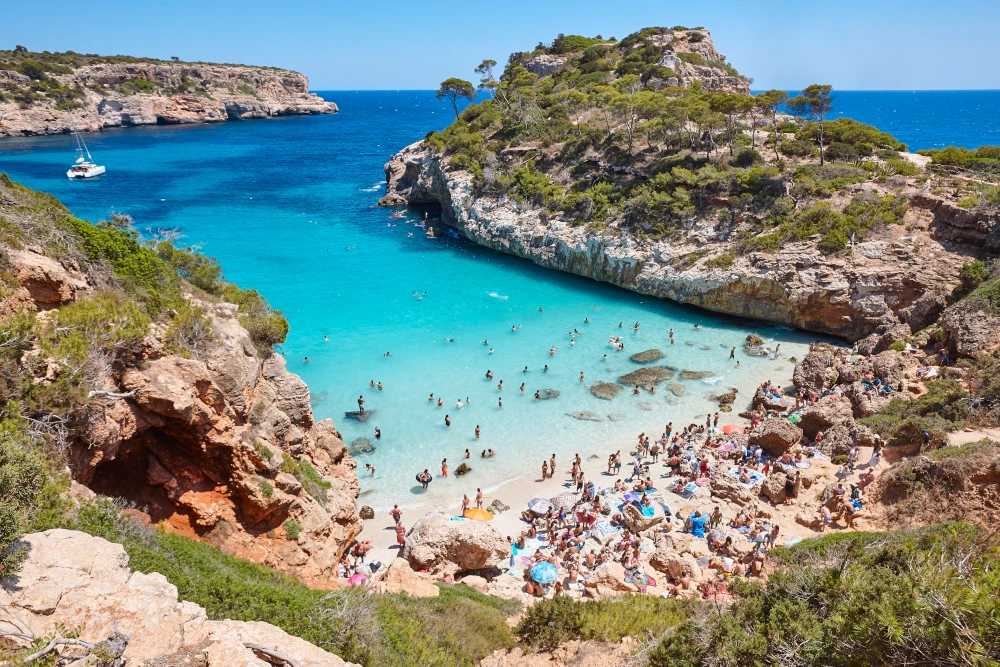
(565, 500)
(540, 505)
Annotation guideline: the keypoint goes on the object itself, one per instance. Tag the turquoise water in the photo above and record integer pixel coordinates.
(287, 206)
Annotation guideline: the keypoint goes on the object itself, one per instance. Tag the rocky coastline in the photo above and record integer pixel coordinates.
(900, 279)
(172, 93)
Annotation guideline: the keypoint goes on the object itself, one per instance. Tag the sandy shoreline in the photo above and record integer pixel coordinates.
(516, 493)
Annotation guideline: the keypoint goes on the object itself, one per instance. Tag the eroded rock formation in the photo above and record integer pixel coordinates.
(220, 445)
(72, 580)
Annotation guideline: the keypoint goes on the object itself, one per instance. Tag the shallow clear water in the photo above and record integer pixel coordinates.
(287, 206)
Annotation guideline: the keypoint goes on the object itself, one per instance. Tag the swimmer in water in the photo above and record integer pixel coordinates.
(697, 326)
(489, 374)
(378, 433)
(483, 455)
(486, 342)
(306, 360)
(500, 402)
(459, 404)
(491, 351)
(447, 420)
(537, 394)
(605, 358)
(467, 401)
(372, 384)
(586, 320)
(440, 403)
(491, 452)
(540, 309)
(370, 467)
(525, 370)
(466, 453)
(379, 386)
(619, 325)
(386, 355)
(325, 339)
(552, 351)
(545, 369)
(737, 363)
(581, 376)
(500, 386)
(431, 399)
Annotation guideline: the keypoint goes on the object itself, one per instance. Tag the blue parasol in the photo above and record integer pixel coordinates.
(544, 572)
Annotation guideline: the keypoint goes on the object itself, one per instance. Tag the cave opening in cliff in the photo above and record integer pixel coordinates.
(431, 210)
(138, 475)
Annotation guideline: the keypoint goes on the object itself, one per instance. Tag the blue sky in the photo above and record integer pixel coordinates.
(391, 44)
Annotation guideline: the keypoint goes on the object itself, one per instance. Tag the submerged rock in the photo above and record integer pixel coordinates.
(726, 399)
(605, 390)
(673, 400)
(361, 446)
(646, 377)
(642, 405)
(616, 416)
(585, 415)
(544, 394)
(357, 415)
(647, 356)
(696, 375)
(677, 389)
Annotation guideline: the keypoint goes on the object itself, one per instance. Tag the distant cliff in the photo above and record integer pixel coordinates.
(53, 93)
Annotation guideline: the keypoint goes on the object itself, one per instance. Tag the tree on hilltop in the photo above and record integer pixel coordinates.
(814, 102)
(452, 89)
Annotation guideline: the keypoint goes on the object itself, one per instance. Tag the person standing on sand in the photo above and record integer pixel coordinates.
(465, 504)
(479, 498)
(396, 513)
(552, 465)
(776, 348)
(715, 420)
(444, 467)
(545, 470)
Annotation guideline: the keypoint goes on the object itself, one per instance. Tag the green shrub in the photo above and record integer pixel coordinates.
(721, 261)
(862, 139)
(823, 180)
(266, 488)
(940, 410)
(747, 158)
(797, 148)
(190, 331)
(897, 346)
(292, 529)
(986, 296)
(263, 451)
(22, 477)
(974, 273)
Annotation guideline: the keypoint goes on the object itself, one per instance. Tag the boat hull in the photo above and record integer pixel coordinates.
(88, 173)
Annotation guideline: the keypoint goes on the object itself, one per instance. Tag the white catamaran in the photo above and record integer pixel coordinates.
(83, 167)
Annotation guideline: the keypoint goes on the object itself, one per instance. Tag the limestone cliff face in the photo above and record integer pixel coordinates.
(882, 282)
(179, 93)
(205, 445)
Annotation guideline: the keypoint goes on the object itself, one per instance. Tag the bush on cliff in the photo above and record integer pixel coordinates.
(942, 409)
(857, 599)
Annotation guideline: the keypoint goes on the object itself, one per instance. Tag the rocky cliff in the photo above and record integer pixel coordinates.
(900, 276)
(73, 581)
(218, 444)
(150, 93)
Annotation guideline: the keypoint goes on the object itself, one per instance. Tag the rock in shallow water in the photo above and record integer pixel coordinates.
(646, 377)
(359, 416)
(616, 416)
(696, 375)
(544, 394)
(677, 389)
(605, 390)
(646, 356)
(585, 415)
(361, 446)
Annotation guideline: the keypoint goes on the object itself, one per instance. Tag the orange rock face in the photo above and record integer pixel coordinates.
(201, 444)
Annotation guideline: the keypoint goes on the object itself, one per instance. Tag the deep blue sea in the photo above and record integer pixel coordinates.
(287, 206)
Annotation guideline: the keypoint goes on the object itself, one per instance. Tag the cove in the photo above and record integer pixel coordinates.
(287, 207)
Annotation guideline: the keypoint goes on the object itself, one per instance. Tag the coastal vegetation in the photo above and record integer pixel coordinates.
(605, 134)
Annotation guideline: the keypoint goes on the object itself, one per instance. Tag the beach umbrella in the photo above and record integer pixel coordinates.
(357, 579)
(729, 429)
(564, 500)
(478, 514)
(540, 505)
(409, 545)
(544, 572)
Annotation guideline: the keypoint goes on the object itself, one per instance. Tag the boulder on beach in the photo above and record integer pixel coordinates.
(585, 415)
(366, 513)
(647, 356)
(605, 390)
(544, 394)
(637, 521)
(646, 377)
(442, 545)
(775, 436)
(753, 341)
(462, 469)
(823, 414)
(696, 375)
(400, 578)
(361, 446)
(677, 389)
(357, 415)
